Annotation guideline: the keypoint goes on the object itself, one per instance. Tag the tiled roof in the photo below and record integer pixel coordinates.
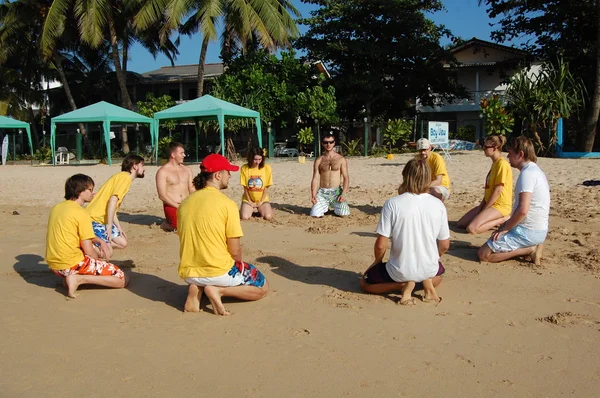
(181, 73)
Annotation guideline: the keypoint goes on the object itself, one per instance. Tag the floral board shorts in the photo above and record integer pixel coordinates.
(100, 231)
(240, 274)
(92, 266)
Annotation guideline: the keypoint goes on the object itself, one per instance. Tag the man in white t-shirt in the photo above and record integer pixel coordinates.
(524, 233)
(416, 223)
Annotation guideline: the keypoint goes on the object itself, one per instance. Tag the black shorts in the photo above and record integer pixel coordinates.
(378, 274)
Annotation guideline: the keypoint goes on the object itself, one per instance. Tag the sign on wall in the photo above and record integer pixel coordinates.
(438, 132)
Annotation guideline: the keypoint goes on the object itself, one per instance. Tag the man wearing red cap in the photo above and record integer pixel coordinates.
(210, 252)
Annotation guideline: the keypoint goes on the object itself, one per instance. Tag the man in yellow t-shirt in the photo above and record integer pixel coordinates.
(210, 252)
(440, 182)
(72, 249)
(104, 206)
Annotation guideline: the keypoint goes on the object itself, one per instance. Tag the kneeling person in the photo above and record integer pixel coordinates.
(209, 235)
(440, 181)
(70, 241)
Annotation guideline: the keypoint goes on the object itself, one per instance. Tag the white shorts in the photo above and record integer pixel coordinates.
(444, 191)
(225, 280)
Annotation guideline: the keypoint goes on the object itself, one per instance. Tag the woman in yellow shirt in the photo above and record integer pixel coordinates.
(256, 178)
(496, 206)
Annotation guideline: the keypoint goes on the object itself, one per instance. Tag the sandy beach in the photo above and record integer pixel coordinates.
(508, 329)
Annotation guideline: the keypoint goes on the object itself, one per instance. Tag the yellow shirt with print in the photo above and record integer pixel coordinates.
(117, 185)
(68, 225)
(205, 220)
(256, 180)
(500, 174)
(438, 166)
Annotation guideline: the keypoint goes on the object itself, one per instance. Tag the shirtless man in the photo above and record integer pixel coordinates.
(327, 188)
(174, 183)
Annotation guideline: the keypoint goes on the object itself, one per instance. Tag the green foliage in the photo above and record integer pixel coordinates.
(305, 137)
(397, 130)
(318, 104)
(163, 143)
(466, 133)
(43, 154)
(379, 151)
(352, 148)
(156, 104)
(497, 119)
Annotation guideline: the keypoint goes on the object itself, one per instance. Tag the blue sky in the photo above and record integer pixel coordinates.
(463, 17)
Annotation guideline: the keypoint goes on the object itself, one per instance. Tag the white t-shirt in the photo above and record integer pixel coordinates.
(413, 223)
(532, 179)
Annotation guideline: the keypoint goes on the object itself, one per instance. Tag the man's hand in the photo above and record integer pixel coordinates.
(497, 235)
(341, 198)
(313, 199)
(106, 250)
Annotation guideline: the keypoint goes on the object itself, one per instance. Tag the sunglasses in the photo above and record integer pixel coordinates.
(328, 142)
(489, 146)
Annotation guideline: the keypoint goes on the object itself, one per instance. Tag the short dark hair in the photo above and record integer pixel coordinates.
(328, 135)
(173, 146)
(202, 178)
(252, 153)
(76, 184)
(130, 161)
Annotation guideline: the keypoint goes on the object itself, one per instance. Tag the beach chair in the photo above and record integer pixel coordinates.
(61, 156)
(445, 148)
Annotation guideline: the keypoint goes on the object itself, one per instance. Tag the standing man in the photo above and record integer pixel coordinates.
(174, 183)
(526, 229)
(210, 250)
(103, 208)
(330, 181)
(440, 182)
(70, 241)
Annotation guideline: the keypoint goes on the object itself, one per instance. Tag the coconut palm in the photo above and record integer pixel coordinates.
(270, 22)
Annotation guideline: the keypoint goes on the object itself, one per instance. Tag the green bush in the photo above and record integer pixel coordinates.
(397, 130)
(466, 133)
(43, 154)
(352, 148)
(163, 143)
(305, 137)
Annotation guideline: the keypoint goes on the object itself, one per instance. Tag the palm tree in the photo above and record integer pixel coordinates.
(591, 123)
(270, 22)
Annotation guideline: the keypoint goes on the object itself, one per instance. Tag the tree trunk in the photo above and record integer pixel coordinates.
(67, 88)
(592, 115)
(200, 88)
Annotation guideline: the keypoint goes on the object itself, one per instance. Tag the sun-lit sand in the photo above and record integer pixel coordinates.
(507, 329)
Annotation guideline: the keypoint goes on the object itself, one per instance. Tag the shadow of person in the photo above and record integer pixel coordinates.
(463, 250)
(291, 209)
(365, 234)
(140, 219)
(155, 288)
(368, 209)
(33, 269)
(340, 279)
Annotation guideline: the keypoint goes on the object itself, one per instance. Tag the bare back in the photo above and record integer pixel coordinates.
(174, 183)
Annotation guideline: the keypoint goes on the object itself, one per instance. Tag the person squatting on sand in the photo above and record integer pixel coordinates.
(256, 178)
(326, 187)
(173, 183)
(440, 181)
(526, 229)
(496, 205)
(416, 223)
(209, 235)
(103, 208)
(70, 241)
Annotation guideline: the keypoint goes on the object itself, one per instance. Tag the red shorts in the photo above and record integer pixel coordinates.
(170, 215)
(92, 266)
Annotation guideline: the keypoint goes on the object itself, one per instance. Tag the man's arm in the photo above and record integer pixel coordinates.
(314, 184)
(443, 246)
(346, 183)
(161, 186)
(437, 181)
(517, 216)
(234, 247)
(105, 250)
(191, 186)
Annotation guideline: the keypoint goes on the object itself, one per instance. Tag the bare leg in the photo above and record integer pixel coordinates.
(467, 218)
(485, 220)
(119, 242)
(486, 254)
(246, 211)
(407, 298)
(430, 295)
(74, 281)
(194, 297)
(249, 293)
(266, 211)
(536, 256)
(165, 226)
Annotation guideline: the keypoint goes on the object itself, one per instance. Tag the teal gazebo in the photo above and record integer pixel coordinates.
(106, 114)
(10, 123)
(208, 108)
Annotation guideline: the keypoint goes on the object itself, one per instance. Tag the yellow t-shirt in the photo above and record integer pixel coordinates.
(117, 185)
(205, 220)
(500, 173)
(256, 180)
(438, 166)
(68, 225)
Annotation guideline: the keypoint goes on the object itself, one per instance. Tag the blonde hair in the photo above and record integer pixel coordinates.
(416, 177)
(497, 140)
(522, 143)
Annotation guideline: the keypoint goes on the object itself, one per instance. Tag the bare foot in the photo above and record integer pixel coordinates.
(72, 282)
(407, 294)
(214, 295)
(408, 302)
(192, 303)
(165, 226)
(536, 255)
(430, 295)
(435, 300)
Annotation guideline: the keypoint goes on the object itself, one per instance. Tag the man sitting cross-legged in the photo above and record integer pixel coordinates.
(416, 223)
(70, 241)
(209, 230)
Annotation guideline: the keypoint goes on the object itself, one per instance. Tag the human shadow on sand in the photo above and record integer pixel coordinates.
(140, 219)
(463, 250)
(340, 279)
(393, 164)
(33, 269)
(364, 234)
(291, 209)
(367, 209)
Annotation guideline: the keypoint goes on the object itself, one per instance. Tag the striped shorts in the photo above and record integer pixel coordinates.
(326, 198)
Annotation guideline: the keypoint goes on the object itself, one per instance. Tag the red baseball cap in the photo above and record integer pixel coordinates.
(215, 162)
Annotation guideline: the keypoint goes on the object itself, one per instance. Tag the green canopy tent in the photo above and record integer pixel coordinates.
(106, 114)
(10, 123)
(206, 108)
